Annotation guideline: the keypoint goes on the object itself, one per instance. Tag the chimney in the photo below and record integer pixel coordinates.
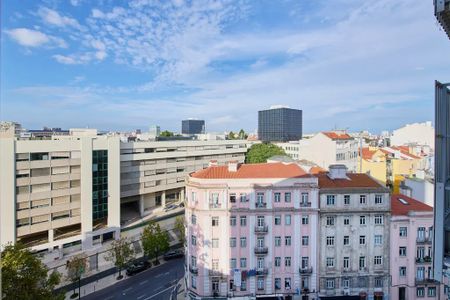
(337, 172)
(212, 163)
(233, 166)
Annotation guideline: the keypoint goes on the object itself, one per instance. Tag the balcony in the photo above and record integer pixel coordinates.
(363, 269)
(193, 270)
(261, 229)
(261, 250)
(423, 240)
(305, 270)
(305, 204)
(214, 273)
(214, 205)
(260, 204)
(420, 280)
(262, 271)
(423, 260)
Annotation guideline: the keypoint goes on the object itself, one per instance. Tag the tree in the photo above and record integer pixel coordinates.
(25, 277)
(180, 229)
(259, 153)
(242, 135)
(154, 241)
(121, 253)
(76, 267)
(166, 133)
(231, 135)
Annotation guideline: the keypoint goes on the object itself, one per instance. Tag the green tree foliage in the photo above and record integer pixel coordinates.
(231, 135)
(155, 241)
(121, 253)
(242, 134)
(76, 267)
(180, 229)
(166, 133)
(25, 277)
(259, 153)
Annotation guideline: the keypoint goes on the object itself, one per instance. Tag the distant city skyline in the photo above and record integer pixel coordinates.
(127, 65)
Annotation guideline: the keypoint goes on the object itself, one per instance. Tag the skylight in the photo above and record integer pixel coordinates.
(403, 201)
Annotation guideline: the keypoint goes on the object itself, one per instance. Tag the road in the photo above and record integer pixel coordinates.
(156, 283)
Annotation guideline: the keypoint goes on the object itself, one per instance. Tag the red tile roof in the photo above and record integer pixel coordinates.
(356, 180)
(337, 135)
(264, 170)
(316, 170)
(367, 153)
(399, 208)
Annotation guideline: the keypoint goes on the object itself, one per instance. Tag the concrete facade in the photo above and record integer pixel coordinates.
(416, 133)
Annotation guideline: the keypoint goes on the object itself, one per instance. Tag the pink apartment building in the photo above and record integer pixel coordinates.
(411, 250)
(252, 231)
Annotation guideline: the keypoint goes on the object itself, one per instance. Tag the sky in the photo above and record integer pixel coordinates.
(122, 65)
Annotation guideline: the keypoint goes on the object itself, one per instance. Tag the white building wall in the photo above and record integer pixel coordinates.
(417, 133)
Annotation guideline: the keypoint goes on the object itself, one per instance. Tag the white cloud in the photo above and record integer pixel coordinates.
(75, 2)
(52, 17)
(72, 59)
(33, 38)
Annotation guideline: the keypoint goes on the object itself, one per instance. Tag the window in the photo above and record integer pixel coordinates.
(432, 291)
(232, 198)
(330, 221)
(215, 221)
(243, 285)
(305, 220)
(402, 271)
(194, 282)
(243, 221)
(378, 220)
(277, 241)
(305, 262)
(277, 261)
(194, 219)
(378, 260)
(362, 199)
(260, 242)
(362, 239)
(232, 242)
(378, 282)
(420, 292)
(260, 282)
(330, 240)
(233, 264)
(346, 283)
(287, 283)
(260, 221)
(330, 262)
(260, 197)
(378, 199)
(193, 261)
(278, 283)
(243, 197)
(330, 283)
(346, 240)
(287, 261)
(378, 239)
(215, 286)
(346, 199)
(287, 197)
(287, 240)
(421, 233)
(346, 220)
(243, 263)
(420, 252)
(403, 231)
(193, 240)
(233, 221)
(277, 197)
(305, 198)
(243, 242)
(215, 264)
(277, 220)
(330, 199)
(402, 251)
(304, 283)
(305, 240)
(346, 262)
(287, 219)
(362, 262)
(362, 220)
(215, 199)
(215, 243)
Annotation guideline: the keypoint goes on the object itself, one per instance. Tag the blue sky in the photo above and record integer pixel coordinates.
(121, 65)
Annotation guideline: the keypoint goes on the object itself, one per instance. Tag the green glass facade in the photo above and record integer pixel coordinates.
(99, 184)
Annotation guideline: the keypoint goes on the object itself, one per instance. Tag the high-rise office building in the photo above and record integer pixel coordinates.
(279, 124)
(192, 126)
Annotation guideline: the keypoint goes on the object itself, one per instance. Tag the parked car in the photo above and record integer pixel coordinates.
(173, 254)
(137, 267)
(169, 207)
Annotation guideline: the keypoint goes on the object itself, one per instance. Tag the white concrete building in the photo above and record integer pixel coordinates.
(416, 133)
(419, 188)
(326, 148)
(354, 236)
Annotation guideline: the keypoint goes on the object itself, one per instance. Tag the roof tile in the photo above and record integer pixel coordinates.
(399, 208)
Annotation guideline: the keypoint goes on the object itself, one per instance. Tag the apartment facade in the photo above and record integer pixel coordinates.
(251, 231)
(354, 236)
(326, 148)
(412, 250)
(59, 193)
